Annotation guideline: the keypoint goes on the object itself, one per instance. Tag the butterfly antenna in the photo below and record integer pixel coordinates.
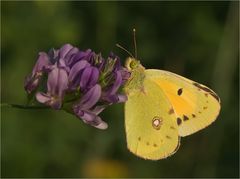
(121, 47)
(135, 43)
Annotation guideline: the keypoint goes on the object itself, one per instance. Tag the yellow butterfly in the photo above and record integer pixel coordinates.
(161, 108)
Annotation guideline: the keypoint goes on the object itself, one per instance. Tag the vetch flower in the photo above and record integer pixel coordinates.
(89, 78)
(87, 55)
(82, 83)
(83, 108)
(57, 84)
(113, 77)
(76, 73)
(32, 81)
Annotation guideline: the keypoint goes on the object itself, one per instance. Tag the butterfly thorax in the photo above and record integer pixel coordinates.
(135, 82)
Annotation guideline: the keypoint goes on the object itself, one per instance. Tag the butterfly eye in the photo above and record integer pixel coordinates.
(127, 63)
(131, 63)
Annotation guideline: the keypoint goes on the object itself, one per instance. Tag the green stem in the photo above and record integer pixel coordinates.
(19, 106)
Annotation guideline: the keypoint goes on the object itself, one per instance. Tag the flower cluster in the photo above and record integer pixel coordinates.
(80, 82)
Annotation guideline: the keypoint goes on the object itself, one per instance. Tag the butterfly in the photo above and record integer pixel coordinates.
(161, 108)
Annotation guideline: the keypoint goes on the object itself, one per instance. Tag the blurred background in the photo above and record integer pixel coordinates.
(198, 40)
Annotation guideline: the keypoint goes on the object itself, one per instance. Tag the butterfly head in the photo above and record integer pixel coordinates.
(132, 64)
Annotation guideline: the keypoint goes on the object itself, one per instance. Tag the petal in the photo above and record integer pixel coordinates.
(57, 81)
(77, 68)
(52, 81)
(32, 81)
(70, 56)
(89, 77)
(79, 56)
(90, 98)
(85, 77)
(92, 119)
(122, 98)
(111, 98)
(62, 82)
(42, 61)
(118, 81)
(90, 57)
(116, 98)
(61, 63)
(102, 125)
(73, 51)
(98, 109)
(94, 77)
(42, 97)
(64, 50)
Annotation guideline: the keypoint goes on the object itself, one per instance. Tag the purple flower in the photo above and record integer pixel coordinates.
(76, 73)
(87, 55)
(63, 55)
(32, 81)
(56, 87)
(114, 76)
(79, 82)
(83, 108)
(110, 93)
(89, 78)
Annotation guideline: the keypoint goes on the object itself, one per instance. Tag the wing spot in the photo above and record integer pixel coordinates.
(185, 118)
(179, 121)
(147, 143)
(172, 128)
(168, 137)
(193, 115)
(206, 94)
(154, 145)
(139, 138)
(179, 92)
(205, 107)
(206, 101)
(199, 112)
(157, 122)
(171, 111)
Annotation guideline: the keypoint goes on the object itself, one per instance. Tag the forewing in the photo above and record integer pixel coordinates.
(194, 105)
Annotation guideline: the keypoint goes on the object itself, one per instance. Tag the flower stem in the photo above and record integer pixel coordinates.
(19, 106)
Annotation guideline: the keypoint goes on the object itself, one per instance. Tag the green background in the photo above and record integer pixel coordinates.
(198, 40)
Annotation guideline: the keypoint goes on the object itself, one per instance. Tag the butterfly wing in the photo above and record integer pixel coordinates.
(194, 105)
(150, 130)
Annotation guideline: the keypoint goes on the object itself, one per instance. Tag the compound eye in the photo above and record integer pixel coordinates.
(131, 64)
(128, 63)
